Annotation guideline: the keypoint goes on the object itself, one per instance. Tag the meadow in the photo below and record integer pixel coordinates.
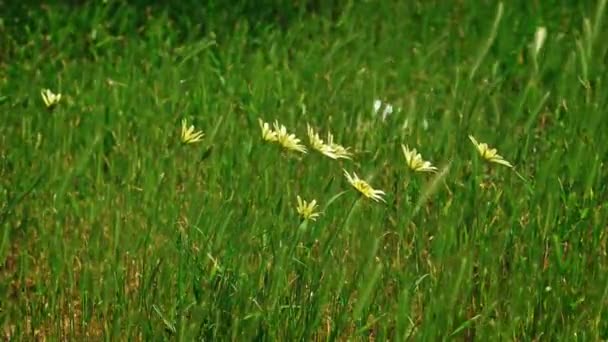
(117, 222)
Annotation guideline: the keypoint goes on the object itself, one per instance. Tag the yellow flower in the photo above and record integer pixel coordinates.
(189, 136)
(318, 144)
(415, 162)
(267, 133)
(50, 99)
(307, 210)
(338, 150)
(364, 188)
(489, 154)
(288, 141)
(329, 149)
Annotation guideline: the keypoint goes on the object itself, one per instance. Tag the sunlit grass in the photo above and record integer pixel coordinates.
(112, 229)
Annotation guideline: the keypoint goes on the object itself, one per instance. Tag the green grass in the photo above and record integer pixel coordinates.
(111, 229)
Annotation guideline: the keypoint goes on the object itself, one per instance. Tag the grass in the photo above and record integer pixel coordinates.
(113, 229)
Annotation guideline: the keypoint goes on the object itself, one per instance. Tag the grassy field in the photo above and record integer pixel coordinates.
(113, 228)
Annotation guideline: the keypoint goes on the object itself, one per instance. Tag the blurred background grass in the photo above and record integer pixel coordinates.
(112, 229)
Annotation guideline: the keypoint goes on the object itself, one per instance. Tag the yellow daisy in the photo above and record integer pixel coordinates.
(489, 154)
(288, 141)
(338, 150)
(267, 133)
(415, 162)
(364, 188)
(307, 210)
(318, 144)
(50, 99)
(329, 149)
(189, 135)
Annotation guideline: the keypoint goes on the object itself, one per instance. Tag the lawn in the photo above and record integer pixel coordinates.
(119, 222)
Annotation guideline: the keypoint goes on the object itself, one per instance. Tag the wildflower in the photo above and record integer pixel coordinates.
(267, 133)
(307, 210)
(50, 99)
(189, 136)
(339, 150)
(329, 149)
(415, 162)
(318, 144)
(342, 152)
(288, 141)
(489, 154)
(364, 188)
